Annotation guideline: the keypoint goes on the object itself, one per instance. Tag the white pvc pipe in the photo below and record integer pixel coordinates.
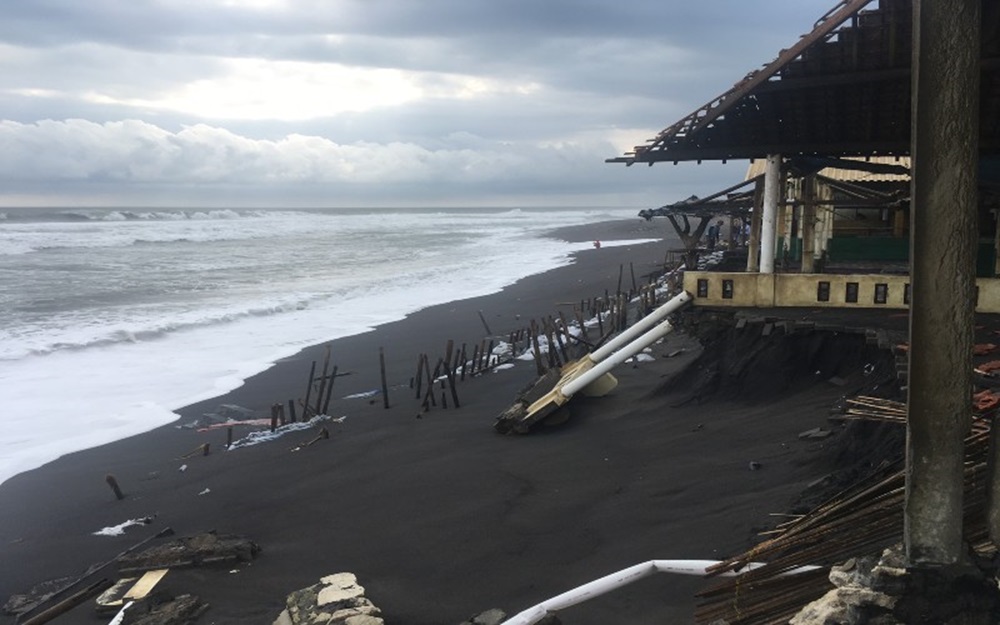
(640, 326)
(620, 356)
(624, 577)
(768, 222)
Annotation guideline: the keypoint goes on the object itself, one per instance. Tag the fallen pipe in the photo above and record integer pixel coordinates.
(639, 327)
(580, 378)
(591, 373)
(624, 577)
(627, 335)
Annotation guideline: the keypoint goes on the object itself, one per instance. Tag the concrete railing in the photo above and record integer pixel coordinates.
(816, 290)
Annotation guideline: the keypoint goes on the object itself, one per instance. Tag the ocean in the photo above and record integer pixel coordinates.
(111, 319)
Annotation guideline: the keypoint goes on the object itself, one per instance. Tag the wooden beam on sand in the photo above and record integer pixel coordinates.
(70, 602)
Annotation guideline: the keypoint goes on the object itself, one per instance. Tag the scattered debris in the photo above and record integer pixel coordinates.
(324, 434)
(128, 590)
(815, 433)
(981, 349)
(180, 610)
(197, 550)
(48, 591)
(365, 395)
(23, 602)
(489, 617)
(265, 436)
(118, 530)
(205, 492)
(337, 599)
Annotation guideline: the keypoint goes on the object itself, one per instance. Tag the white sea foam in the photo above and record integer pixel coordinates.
(110, 321)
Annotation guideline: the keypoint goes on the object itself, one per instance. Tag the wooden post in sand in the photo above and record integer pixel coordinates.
(537, 350)
(449, 372)
(420, 374)
(309, 387)
(485, 325)
(113, 483)
(329, 390)
(291, 410)
(322, 381)
(385, 386)
(475, 359)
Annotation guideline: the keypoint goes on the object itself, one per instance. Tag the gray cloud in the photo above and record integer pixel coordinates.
(77, 75)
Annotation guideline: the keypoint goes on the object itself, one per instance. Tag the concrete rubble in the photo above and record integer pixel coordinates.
(882, 591)
(337, 599)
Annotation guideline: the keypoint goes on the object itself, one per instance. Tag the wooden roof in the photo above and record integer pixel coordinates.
(841, 90)
(860, 174)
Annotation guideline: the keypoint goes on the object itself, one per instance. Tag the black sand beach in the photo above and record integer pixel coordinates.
(438, 516)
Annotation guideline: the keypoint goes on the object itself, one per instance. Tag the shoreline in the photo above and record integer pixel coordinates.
(439, 517)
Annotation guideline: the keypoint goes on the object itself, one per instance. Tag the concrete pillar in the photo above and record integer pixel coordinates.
(753, 244)
(808, 188)
(945, 138)
(768, 224)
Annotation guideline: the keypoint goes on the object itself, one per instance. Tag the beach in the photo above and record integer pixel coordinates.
(438, 516)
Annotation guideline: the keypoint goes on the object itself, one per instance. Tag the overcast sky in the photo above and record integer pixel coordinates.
(367, 102)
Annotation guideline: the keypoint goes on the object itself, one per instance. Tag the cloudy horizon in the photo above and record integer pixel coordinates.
(367, 102)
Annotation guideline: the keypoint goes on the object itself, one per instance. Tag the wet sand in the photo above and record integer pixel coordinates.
(438, 516)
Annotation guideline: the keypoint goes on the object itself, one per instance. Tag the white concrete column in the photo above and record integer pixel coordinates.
(768, 226)
(808, 225)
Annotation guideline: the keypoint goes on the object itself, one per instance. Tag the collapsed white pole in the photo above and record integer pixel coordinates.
(639, 327)
(631, 349)
(624, 577)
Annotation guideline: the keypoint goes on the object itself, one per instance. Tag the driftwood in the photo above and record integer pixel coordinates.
(91, 571)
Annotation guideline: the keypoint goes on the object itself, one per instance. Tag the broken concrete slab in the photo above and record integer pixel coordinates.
(189, 551)
(337, 599)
